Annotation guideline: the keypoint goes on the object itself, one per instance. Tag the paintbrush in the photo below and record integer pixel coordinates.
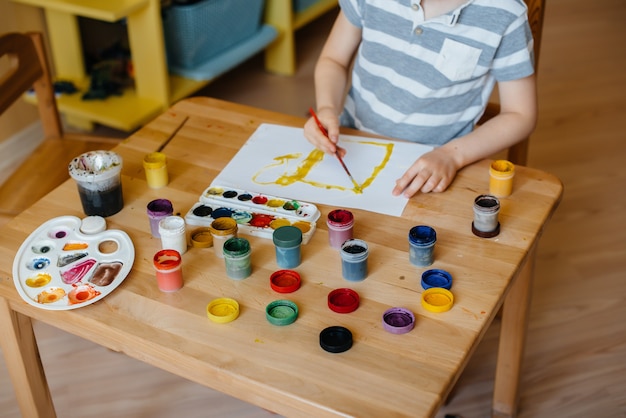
(325, 132)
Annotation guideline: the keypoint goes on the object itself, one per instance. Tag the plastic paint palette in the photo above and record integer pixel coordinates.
(60, 268)
(256, 214)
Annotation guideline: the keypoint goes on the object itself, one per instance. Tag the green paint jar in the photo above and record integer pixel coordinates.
(237, 258)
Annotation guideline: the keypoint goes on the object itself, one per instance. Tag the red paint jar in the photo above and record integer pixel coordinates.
(340, 223)
(169, 274)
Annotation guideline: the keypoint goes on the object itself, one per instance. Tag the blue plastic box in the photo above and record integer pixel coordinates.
(195, 33)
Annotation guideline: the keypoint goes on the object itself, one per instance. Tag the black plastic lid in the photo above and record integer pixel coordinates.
(336, 339)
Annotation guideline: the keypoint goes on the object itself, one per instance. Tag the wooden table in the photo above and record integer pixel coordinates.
(283, 368)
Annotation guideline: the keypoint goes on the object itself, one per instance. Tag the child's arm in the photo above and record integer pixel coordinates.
(331, 80)
(434, 171)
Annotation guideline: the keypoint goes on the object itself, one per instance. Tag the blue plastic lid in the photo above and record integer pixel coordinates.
(422, 235)
(436, 278)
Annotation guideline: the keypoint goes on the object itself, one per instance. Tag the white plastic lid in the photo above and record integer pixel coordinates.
(95, 166)
(93, 225)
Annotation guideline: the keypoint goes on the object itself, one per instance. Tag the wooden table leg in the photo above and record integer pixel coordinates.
(512, 341)
(21, 354)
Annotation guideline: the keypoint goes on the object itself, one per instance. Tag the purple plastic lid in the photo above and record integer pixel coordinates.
(398, 320)
(160, 207)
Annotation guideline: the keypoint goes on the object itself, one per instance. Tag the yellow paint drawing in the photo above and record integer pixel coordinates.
(278, 161)
(294, 168)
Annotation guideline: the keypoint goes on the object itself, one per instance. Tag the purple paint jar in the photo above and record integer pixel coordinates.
(340, 223)
(158, 209)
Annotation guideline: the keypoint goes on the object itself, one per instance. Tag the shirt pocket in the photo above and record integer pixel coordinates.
(456, 60)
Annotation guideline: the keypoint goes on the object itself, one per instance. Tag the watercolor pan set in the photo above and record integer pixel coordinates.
(58, 267)
(256, 214)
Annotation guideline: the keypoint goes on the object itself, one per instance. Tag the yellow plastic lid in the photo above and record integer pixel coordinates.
(222, 310)
(154, 160)
(437, 299)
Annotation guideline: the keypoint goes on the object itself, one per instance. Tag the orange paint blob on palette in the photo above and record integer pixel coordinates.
(60, 266)
(256, 213)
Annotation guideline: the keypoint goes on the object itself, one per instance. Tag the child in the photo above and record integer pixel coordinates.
(424, 72)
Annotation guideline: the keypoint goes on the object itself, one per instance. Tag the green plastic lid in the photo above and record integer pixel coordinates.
(287, 236)
(281, 312)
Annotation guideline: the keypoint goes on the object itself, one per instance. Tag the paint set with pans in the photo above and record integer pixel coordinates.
(256, 214)
(65, 264)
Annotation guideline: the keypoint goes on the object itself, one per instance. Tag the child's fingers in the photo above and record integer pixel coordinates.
(409, 184)
(315, 136)
(424, 181)
(326, 144)
(431, 183)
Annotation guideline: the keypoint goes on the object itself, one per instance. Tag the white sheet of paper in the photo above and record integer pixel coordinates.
(278, 161)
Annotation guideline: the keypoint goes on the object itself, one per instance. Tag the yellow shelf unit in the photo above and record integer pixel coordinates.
(155, 89)
(280, 56)
(108, 11)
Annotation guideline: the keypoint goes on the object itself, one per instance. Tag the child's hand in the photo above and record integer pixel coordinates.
(432, 172)
(316, 136)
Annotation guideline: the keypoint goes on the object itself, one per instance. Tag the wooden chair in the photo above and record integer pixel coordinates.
(518, 154)
(46, 167)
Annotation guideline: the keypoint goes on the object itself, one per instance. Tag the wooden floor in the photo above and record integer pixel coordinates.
(575, 363)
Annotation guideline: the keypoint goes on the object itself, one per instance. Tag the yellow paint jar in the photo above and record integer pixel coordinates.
(155, 165)
(222, 229)
(501, 173)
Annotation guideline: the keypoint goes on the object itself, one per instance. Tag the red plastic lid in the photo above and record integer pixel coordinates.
(285, 281)
(343, 300)
(167, 259)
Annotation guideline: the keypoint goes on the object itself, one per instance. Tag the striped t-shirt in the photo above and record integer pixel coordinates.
(429, 81)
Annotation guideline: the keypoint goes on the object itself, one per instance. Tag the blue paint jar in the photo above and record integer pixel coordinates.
(287, 241)
(237, 258)
(422, 240)
(354, 254)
